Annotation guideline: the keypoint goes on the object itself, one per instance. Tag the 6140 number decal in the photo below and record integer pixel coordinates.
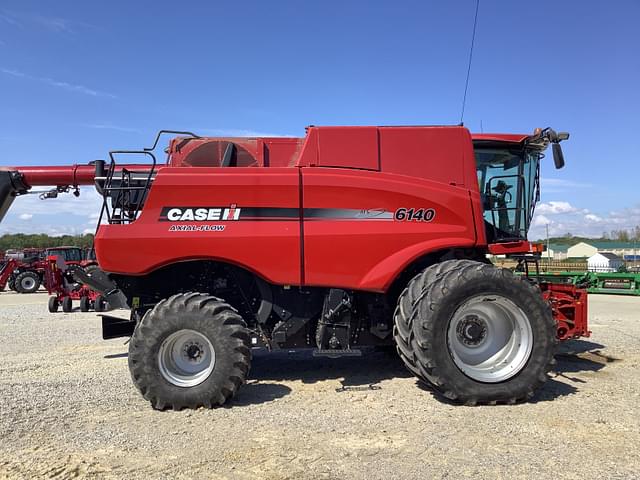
(415, 215)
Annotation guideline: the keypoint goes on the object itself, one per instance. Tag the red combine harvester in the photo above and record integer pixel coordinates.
(348, 237)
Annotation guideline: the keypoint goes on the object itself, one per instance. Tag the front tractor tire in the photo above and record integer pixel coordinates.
(27, 282)
(191, 350)
(476, 333)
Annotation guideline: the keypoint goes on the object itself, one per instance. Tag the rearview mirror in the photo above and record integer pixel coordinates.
(558, 156)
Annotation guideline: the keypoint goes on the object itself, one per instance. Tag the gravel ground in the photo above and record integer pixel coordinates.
(68, 410)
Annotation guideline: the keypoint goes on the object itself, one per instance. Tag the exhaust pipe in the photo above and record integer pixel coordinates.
(11, 184)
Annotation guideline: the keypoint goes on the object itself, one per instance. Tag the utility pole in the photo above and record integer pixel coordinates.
(548, 251)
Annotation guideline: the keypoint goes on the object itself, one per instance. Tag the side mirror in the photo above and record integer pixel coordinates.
(558, 156)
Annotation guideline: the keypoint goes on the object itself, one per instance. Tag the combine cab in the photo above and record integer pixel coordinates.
(347, 238)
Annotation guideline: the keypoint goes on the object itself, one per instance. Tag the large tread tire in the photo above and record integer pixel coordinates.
(428, 304)
(209, 316)
(27, 282)
(404, 314)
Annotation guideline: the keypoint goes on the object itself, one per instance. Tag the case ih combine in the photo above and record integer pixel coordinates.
(348, 237)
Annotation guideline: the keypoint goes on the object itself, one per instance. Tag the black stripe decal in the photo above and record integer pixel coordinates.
(255, 214)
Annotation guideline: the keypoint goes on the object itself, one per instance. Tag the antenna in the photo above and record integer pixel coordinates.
(473, 39)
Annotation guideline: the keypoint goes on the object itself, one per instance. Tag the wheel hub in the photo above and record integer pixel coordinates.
(186, 358)
(472, 330)
(193, 352)
(489, 338)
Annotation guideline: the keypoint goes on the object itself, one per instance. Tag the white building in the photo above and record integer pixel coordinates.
(604, 262)
(622, 249)
(581, 250)
(555, 252)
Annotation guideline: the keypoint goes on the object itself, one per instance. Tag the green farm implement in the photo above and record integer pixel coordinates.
(598, 282)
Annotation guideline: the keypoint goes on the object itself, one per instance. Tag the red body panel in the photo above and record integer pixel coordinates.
(375, 170)
(501, 137)
(269, 248)
(367, 253)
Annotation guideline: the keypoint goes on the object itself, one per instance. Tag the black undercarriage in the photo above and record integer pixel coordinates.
(332, 320)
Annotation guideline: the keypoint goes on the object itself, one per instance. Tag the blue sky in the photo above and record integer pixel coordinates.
(80, 78)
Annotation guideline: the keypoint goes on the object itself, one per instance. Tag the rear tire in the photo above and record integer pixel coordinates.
(191, 350)
(85, 304)
(404, 315)
(457, 318)
(27, 282)
(67, 305)
(54, 304)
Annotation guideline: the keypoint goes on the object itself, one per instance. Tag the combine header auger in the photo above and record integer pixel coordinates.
(347, 237)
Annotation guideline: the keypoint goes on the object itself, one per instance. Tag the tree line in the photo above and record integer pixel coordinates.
(630, 235)
(41, 240)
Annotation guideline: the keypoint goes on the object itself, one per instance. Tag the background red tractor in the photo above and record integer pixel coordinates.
(29, 272)
(346, 238)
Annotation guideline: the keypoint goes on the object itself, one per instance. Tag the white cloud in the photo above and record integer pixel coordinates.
(58, 84)
(562, 218)
(540, 220)
(555, 207)
(59, 216)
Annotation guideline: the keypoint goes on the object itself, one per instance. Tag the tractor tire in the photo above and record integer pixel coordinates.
(90, 268)
(100, 304)
(191, 350)
(27, 282)
(403, 319)
(476, 333)
(67, 305)
(54, 304)
(85, 304)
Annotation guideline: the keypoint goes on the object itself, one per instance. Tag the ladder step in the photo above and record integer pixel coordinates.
(334, 353)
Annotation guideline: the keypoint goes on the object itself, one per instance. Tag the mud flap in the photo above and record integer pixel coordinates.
(116, 327)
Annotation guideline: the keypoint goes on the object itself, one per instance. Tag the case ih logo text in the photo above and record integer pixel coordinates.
(199, 214)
